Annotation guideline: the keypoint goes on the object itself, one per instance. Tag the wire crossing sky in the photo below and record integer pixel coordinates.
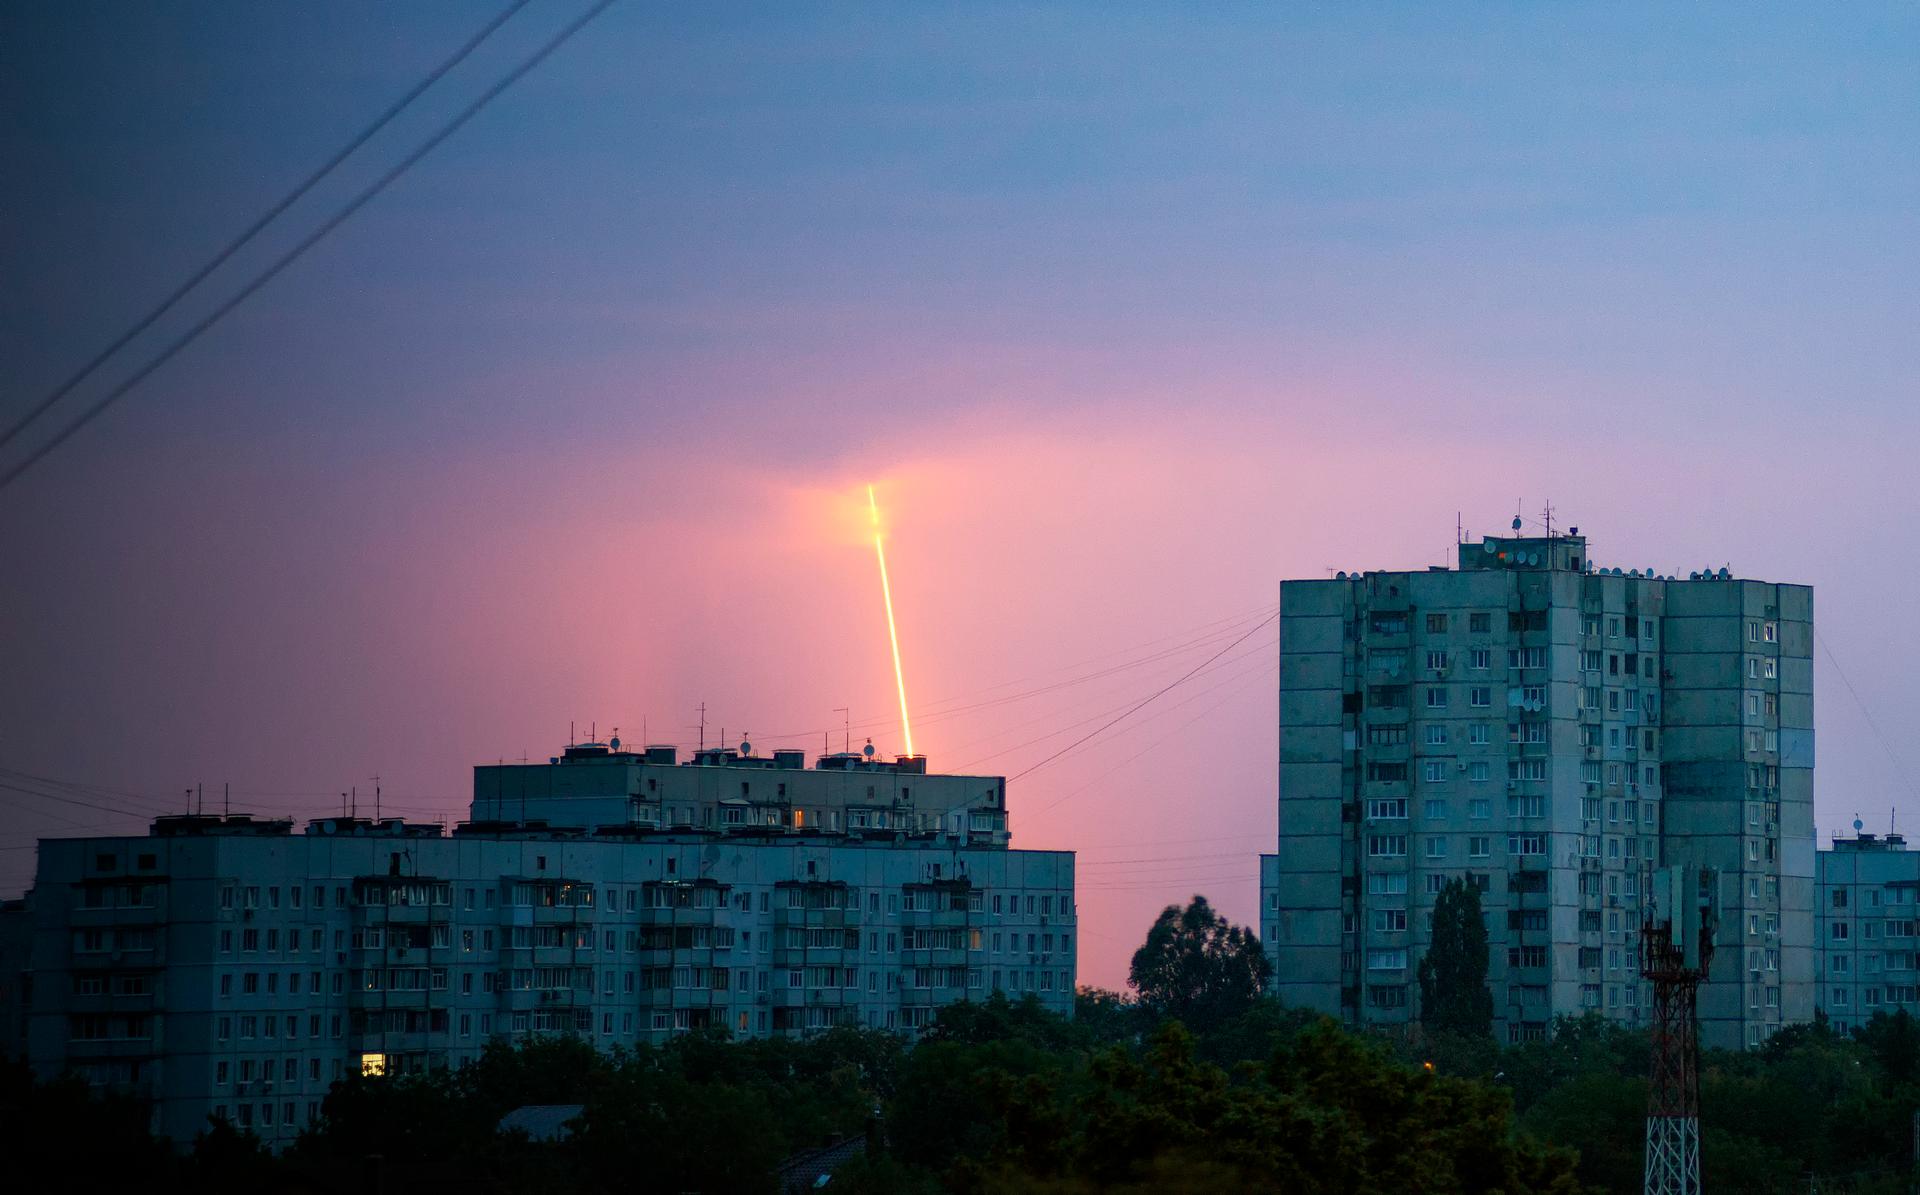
(1134, 311)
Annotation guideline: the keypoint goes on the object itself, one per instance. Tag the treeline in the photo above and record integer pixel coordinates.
(1199, 1082)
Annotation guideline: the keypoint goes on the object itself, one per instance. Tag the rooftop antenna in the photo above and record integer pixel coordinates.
(569, 734)
(376, 798)
(1547, 517)
(1459, 530)
(189, 800)
(703, 726)
(354, 791)
(226, 800)
(846, 729)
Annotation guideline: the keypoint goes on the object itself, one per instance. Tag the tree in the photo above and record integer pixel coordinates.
(1198, 968)
(1454, 997)
(1108, 1017)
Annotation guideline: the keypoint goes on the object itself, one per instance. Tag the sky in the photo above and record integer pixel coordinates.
(1127, 312)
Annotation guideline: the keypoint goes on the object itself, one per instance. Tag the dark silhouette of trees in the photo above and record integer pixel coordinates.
(1198, 968)
(1454, 997)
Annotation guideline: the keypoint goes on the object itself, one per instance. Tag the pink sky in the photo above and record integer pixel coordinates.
(1129, 314)
(448, 615)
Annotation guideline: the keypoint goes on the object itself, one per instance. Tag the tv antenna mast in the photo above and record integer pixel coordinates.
(1676, 947)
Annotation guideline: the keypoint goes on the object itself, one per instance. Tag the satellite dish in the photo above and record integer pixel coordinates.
(1516, 522)
(868, 749)
(746, 748)
(1340, 576)
(1858, 825)
(613, 744)
(1486, 545)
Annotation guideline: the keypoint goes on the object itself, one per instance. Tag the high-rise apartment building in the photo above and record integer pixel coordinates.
(1549, 731)
(233, 968)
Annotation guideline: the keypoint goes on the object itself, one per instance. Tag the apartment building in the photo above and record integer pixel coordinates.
(233, 967)
(1549, 730)
(1868, 928)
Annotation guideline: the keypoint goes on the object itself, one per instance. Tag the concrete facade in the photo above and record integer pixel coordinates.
(1868, 921)
(1549, 731)
(233, 968)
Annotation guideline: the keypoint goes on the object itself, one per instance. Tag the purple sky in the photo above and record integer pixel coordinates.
(1127, 319)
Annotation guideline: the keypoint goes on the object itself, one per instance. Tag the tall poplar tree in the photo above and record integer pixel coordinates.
(1454, 997)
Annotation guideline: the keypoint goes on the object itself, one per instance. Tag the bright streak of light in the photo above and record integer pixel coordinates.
(893, 634)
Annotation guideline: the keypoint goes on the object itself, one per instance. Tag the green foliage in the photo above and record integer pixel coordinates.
(61, 1121)
(1109, 1017)
(1454, 997)
(1198, 968)
(1003, 1097)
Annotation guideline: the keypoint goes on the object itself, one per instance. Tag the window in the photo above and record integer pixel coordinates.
(1480, 807)
(1436, 697)
(1480, 697)
(1386, 846)
(1477, 773)
(1388, 921)
(1526, 844)
(1436, 734)
(1436, 771)
(1386, 960)
(1436, 846)
(1478, 846)
(1434, 809)
(1386, 809)
(1436, 624)
(1479, 736)
(1386, 885)
(1480, 659)
(1480, 624)
(1436, 661)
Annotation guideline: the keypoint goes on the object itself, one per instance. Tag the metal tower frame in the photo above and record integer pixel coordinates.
(1676, 946)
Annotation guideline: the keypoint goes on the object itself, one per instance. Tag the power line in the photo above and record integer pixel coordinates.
(1155, 744)
(1069, 727)
(234, 246)
(1885, 744)
(945, 708)
(286, 259)
(1149, 699)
